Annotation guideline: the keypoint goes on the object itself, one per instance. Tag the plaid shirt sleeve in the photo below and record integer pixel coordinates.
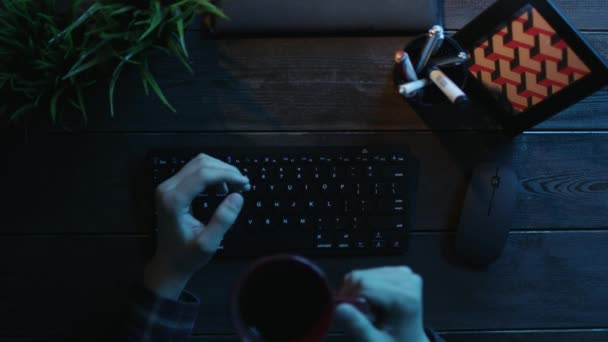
(152, 318)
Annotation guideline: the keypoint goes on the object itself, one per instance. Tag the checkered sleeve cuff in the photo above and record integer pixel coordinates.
(152, 318)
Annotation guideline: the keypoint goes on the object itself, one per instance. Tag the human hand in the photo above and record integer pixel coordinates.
(184, 244)
(395, 295)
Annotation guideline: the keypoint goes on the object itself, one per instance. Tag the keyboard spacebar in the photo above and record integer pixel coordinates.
(268, 242)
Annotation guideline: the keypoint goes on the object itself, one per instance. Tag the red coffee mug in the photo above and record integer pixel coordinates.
(286, 298)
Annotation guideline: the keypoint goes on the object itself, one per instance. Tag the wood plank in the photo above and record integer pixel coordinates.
(25, 339)
(295, 84)
(584, 15)
(94, 183)
(316, 17)
(560, 335)
(66, 285)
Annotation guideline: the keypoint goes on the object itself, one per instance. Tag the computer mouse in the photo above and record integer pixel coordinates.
(487, 213)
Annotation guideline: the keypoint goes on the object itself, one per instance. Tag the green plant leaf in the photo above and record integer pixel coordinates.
(53, 104)
(83, 108)
(180, 33)
(103, 28)
(50, 20)
(37, 100)
(110, 36)
(74, 104)
(156, 19)
(127, 58)
(8, 42)
(92, 63)
(145, 83)
(178, 53)
(76, 7)
(211, 8)
(18, 8)
(34, 83)
(88, 13)
(49, 59)
(79, 67)
(145, 72)
(121, 10)
(164, 49)
(205, 5)
(115, 75)
(7, 23)
(21, 111)
(42, 65)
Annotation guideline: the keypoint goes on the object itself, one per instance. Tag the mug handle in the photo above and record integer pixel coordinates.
(361, 304)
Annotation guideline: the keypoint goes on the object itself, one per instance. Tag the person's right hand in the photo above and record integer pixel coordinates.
(395, 295)
(185, 244)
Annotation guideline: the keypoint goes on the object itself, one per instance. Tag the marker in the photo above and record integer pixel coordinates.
(399, 56)
(447, 86)
(440, 37)
(409, 89)
(405, 61)
(408, 68)
(447, 62)
(432, 38)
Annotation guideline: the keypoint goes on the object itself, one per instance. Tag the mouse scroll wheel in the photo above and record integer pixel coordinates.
(495, 181)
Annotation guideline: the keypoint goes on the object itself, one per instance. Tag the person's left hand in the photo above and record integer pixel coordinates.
(184, 244)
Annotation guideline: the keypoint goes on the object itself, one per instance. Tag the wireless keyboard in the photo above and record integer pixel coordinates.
(315, 200)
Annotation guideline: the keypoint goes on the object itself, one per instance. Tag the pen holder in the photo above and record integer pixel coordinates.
(431, 94)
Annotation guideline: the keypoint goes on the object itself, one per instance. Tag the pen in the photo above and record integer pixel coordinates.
(447, 62)
(409, 89)
(404, 60)
(440, 37)
(447, 86)
(432, 38)
(399, 56)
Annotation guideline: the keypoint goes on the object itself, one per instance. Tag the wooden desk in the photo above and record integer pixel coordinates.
(75, 229)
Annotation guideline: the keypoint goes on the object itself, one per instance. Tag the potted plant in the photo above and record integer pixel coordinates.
(50, 54)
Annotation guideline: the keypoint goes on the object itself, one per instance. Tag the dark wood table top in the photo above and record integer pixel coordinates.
(75, 224)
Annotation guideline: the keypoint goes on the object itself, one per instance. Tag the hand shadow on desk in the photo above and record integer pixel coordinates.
(441, 114)
(472, 138)
(480, 148)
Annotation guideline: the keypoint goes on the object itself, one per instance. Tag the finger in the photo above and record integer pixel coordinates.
(375, 284)
(202, 161)
(216, 163)
(233, 187)
(382, 285)
(349, 287)
(222, 188)
(224, 217)
(211, 161)
(240, 188)
(355, 323)
(199, 180)
(224, 166)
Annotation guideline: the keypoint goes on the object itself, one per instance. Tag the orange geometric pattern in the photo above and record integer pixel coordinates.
(526, 61)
